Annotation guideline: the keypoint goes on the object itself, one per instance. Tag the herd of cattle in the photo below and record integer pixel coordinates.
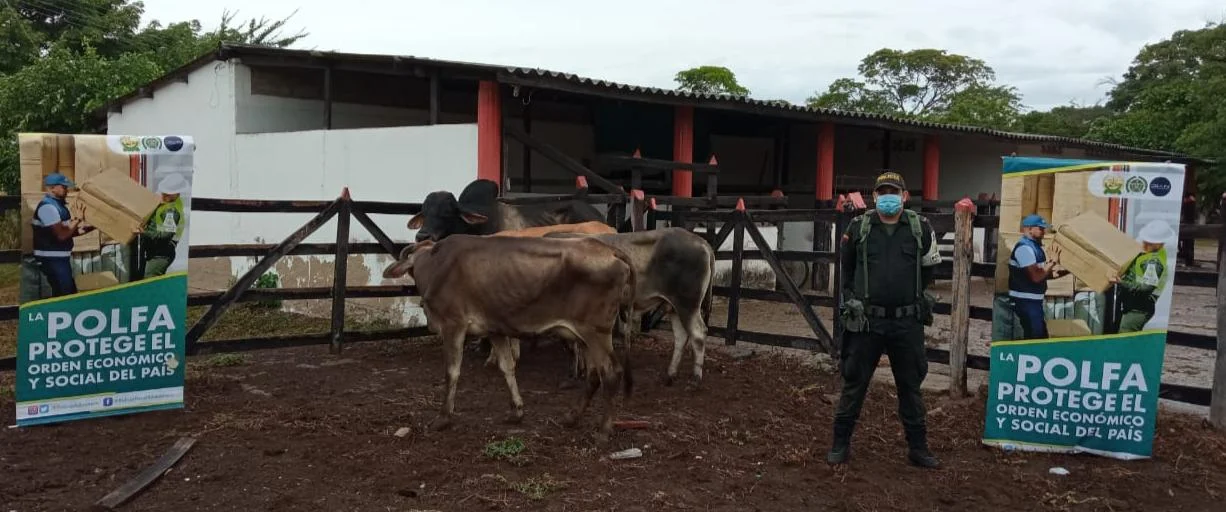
(487, 269)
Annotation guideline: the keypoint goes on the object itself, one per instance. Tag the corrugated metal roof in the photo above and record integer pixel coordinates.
(761, 107)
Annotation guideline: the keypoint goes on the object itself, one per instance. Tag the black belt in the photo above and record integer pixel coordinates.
(898, 312)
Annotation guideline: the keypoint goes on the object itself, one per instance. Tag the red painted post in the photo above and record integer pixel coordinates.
(581, 182)
(740, 204)
(683, 150)
(825, 162)
(489, 132)
(932, 167)
(637, 154)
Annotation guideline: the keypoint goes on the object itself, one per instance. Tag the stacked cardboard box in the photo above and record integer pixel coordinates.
(95, 281)
(83, 159)
(1093, 250)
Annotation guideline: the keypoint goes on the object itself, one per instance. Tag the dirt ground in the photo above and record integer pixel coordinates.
(297, 429)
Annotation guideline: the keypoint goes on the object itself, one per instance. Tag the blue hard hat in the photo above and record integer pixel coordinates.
(1034, 220)
(56, 178)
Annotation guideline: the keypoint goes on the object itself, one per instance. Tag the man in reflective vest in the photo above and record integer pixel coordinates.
(1145, 278)
(1029, 270)
(54, 229)
(161, 234)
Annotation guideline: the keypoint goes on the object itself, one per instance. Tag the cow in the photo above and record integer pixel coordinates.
(593, 227)
(479, 212)
(674, 267)
(581, 290)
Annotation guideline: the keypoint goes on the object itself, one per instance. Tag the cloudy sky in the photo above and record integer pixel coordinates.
(1054, 51)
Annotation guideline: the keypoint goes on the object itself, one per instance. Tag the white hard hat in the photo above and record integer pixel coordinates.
(1156, 232)
(173, 184)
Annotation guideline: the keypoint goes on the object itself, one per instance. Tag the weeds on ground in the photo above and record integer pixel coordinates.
(506, 449)
(538, 488)
(224, 360)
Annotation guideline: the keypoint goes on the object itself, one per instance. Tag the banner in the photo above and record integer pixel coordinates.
(103, 299)
(1084, 278)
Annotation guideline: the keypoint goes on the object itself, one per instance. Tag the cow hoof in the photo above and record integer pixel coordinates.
(694, 386)
(668, 380)
(515, 418)
(440, 424)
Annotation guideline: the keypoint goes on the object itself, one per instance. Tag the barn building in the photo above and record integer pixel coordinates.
(295, 124)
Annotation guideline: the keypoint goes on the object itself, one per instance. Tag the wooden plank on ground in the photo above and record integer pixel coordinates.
(146, 478)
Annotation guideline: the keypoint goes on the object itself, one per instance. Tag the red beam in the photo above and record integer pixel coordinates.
(683, 150)
(489, 132)
(932, 167)
(825, 162)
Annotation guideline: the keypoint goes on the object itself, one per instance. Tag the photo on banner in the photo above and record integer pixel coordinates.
(103, 293)
(1085, 273)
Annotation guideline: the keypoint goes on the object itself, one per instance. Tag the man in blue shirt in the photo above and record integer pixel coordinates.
(54, 229)
(1029, 270)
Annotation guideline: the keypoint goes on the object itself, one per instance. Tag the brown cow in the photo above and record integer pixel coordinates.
(592, 227)
(502, 287)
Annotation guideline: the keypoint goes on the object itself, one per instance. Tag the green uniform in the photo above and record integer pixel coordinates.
(886, 275)
(161, 236)
(1140, 288)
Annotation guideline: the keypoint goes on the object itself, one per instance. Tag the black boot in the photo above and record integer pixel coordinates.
(840, 450)
(917, 453)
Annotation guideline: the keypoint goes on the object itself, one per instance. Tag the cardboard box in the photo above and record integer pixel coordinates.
(117, 205)
(95, 281)
(1069, 328)
(1093, 250)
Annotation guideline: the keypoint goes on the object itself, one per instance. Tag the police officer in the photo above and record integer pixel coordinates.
(1145, 278)
(159, 239)
(1029, 270)
(888, 255)
(54, 229)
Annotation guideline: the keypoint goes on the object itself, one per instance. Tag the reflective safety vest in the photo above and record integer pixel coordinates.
(1020, 285)
(45, 242)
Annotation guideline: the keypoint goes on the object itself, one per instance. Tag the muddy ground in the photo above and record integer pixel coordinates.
(297, 429)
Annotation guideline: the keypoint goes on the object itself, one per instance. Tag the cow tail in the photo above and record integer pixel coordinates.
(710, 295)
(625, 315)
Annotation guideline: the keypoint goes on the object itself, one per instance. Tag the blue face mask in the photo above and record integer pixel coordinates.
(889, 204)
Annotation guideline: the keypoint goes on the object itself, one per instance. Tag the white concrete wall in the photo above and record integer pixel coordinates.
(259, 113)
(202, 108)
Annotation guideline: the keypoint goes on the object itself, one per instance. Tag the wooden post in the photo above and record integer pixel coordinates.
(638, 206)
(960, 315)
(1217, 408)
(340, 272)
(738, 259)
(434, 99)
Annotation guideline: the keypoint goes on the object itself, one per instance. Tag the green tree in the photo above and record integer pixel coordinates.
(68, 58)
(925, 84)
(710, 80)
(1070, 120)
(1173, 97)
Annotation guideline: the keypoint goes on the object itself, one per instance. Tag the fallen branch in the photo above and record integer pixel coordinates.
(146, 477)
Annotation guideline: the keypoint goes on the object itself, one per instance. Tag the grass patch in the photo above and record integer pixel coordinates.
(538, 488)
(506, 449)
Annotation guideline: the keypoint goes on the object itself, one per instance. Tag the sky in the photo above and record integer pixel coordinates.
(1053, 51)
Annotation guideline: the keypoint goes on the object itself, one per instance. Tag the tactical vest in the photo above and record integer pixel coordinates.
(1149, 269)
(1020, 285)
(45, 242)
(866, 223)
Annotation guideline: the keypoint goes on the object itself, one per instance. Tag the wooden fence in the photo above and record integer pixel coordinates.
(737, 222)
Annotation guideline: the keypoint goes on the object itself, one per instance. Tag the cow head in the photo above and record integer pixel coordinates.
(404, 263)
(443, 215)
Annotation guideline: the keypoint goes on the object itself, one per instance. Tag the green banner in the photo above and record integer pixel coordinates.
(113, 351)
(1093, 394)
(1084, 280)
(103, 303)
